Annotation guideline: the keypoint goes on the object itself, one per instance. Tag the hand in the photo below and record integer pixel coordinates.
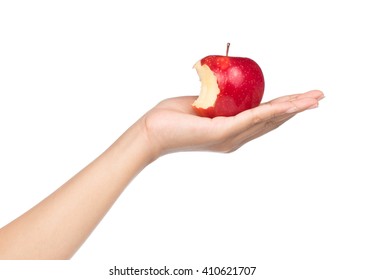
(173, 126)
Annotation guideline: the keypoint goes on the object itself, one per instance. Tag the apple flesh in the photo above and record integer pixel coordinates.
(229, 85)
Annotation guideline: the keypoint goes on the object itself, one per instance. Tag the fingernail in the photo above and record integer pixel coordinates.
(321, 97)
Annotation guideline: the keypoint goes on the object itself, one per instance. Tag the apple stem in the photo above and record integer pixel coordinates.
(227, 50)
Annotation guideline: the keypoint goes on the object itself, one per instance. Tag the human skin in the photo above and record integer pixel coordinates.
(57, 226)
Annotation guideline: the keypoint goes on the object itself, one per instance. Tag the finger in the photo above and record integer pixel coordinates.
(258, 131)
(268, 125)
(273, 110)
(317, 94)
(181, 104)
(256, 122)
(269, 112)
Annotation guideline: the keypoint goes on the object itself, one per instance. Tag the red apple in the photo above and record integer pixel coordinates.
(229, 85)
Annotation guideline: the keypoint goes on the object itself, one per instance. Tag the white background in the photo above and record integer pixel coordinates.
(75, 74)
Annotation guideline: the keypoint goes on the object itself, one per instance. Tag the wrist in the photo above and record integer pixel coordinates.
(135, 143)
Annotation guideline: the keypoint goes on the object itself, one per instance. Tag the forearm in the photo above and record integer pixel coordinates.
(57, 226)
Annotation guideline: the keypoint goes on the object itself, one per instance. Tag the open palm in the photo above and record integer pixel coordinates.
(173, 125)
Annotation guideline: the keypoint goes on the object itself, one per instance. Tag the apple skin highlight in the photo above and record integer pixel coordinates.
(240, 82)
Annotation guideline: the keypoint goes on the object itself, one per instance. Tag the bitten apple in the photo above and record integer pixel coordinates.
(229, 85)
